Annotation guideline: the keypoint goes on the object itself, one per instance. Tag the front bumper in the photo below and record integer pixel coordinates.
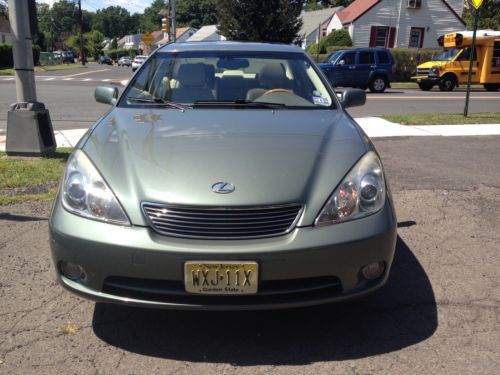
(135, 266)
(431, 79)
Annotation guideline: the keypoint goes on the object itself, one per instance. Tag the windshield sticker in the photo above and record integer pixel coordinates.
(318, 100)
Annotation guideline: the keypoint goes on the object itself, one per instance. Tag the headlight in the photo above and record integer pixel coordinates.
(435, 70)
(85, 193)
(361, 193)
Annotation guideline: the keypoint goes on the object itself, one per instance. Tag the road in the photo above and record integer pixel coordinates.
(437, 315)
(69, 96)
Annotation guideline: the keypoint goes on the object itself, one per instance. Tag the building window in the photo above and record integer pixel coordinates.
(416, 37)
(495, 62)
(414, 4)
(382, 36)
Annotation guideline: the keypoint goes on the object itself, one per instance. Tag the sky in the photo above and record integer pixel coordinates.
(133, 6)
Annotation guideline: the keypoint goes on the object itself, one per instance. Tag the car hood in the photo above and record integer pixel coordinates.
(271, 157)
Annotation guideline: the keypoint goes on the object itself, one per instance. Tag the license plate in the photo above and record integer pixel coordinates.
(213, 277)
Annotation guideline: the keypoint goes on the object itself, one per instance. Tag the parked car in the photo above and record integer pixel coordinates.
(371, 68)
(137, 61)
(226, 175)
(105, 60)
(125, 61)
(67, 57)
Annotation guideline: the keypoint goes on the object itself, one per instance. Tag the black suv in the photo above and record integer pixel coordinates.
(372, 68)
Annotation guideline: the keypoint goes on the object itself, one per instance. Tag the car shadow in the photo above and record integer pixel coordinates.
(10, 217)
(401, 314)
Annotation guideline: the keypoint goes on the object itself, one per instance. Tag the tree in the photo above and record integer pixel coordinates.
(196, 13)
(321, 4)
(266, 21)
(151, 19)
(94, 43)
(4, 10)
(114, 43)
(113, 21)
(489, 15)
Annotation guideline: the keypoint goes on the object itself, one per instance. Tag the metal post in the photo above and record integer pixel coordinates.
(469, 79)
(29, 129)
(80, 16)
(22, 51)
(173, 31)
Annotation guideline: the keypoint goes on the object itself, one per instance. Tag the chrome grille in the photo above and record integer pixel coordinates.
(221, 223)
(423, 72)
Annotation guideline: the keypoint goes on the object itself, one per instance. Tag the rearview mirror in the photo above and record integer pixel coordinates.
(106, 94)
(353, 98)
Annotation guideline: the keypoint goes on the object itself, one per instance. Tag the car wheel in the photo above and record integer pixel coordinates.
(447, 83)
(425, 86)
(491, 87)
(378, 84)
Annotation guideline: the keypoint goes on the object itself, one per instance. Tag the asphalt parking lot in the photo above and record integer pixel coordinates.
(439, 313)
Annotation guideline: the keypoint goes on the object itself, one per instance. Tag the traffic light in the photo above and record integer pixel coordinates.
(165, 25)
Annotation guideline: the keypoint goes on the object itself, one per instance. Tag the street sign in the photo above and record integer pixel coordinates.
(477, 3)
(148, 38)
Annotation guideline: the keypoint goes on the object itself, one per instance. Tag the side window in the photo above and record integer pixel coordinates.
(495, 62)
(366, 58)
(465, 55)
(349, 58)
(383, 57)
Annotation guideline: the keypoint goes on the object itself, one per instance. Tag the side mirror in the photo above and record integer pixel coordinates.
(353, 98)
(106, 94)
(341, 62)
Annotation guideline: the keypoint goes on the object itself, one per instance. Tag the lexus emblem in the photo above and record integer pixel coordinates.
(223, 187)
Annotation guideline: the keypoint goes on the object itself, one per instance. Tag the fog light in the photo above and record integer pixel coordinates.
(72, 271)
(373, 270)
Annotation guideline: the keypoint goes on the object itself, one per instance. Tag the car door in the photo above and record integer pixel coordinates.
(344, 71)
(365, 65)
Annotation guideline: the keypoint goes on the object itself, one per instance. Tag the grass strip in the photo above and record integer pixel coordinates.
(31, 179)
(445, 119)
(44, 68)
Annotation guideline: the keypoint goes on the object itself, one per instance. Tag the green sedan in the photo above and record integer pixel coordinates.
(226, 176)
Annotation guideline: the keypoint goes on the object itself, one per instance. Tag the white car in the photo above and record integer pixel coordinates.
(137, 62)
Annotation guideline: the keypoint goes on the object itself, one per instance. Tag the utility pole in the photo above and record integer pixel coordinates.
(80, 16)
(29, 129)
(173, 31)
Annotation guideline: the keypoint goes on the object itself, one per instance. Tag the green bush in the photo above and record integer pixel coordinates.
(336, 38)
(7, 60)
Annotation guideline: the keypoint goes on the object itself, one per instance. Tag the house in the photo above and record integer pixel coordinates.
(311, 22)
(182, 34)
(132, 41)
(5, 33)
(399, 23)
(206, 34)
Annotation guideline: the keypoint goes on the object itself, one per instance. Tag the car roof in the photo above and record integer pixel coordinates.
(230, 46)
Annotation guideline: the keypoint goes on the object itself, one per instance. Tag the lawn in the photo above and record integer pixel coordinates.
(31, 179)
(44, 68)
(445, 119)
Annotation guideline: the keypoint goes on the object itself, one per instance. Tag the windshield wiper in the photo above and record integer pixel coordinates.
(238, 102)
(165, 103)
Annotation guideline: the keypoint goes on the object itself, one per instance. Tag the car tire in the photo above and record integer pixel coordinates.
(378, 84)
(491, 87)
(425, 86)
(447, 83)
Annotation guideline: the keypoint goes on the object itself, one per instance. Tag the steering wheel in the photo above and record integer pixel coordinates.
(272, 91)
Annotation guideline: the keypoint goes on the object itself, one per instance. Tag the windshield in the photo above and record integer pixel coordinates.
(228, 78)
(334, 57)
(447, 55)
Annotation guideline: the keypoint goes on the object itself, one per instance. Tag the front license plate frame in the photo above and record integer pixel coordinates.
(221, 277)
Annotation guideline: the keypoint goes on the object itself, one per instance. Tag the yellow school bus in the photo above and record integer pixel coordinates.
(450, 68)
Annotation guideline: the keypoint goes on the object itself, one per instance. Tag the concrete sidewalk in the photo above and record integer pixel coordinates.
(374, 127)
